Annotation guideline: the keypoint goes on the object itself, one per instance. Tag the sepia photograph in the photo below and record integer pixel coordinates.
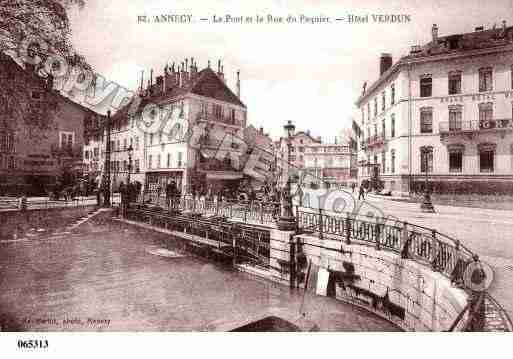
(281, 166)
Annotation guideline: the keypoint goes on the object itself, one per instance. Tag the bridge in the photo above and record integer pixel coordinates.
(414, 276)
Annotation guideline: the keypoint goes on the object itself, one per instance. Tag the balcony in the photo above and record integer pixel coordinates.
(218, 119)
(374, 142)
(471, 128)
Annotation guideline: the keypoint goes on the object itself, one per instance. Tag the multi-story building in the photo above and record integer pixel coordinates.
(445, 111)
(41, 131)
(331, 164)
(298, 142)
(161, 155)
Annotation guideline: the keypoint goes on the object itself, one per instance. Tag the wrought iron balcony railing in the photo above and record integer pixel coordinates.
(450, 127)
(374, 141)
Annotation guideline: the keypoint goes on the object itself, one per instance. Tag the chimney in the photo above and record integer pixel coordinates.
(160, 84)
(434, 34)
(238, 83)
(385, 62)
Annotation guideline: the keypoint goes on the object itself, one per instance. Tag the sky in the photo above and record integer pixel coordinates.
(308, 73)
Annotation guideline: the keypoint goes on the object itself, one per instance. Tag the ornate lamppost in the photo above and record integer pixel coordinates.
(130, 153)
(106, 168)
(427, 205)
(287, 221)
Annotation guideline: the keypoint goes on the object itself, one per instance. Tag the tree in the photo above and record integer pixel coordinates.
(45, 19)
(22, 21)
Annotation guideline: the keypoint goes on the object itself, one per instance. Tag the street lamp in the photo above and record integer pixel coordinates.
(427, 205)
(130, 153)
(287, 221)
(106, 168)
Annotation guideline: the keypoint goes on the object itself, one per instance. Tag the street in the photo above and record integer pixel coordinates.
(487, 232)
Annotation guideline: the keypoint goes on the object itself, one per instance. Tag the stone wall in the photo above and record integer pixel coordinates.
(403, 291)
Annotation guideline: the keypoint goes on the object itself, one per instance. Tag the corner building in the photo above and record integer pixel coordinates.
(445, 108)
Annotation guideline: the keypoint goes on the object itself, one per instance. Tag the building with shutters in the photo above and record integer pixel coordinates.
(442, 113)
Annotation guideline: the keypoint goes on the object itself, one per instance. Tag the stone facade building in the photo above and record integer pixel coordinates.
(159, 126)
(331, 163)
(444, 109)
(41, 131)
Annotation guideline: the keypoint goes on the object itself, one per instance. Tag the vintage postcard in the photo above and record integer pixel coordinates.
(280, 166)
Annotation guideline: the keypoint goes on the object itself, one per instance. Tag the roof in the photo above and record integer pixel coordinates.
(206, 84)
(42, 83)
(450, 45)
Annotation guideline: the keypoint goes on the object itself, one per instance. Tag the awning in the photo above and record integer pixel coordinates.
(224, 175)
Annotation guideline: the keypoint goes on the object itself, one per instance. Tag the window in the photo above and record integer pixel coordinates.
(179, 159)
(232, 116)
(383, 129)
(392, 161)
(136, 142)
(158, 161)
(454, 82)
(368, 111)
(204, 109)
(151, 139)
(485, 79)
(218, 111)
(455, 161)
(485, 114)
(125, 144)
(96, 151)
(486, 157)
(426, 159)
(455, 114)
(168, 160)
(392, 126)
(375, 107)
(67, 139)
(301, 149)
(375, 130)
(137, 167)
(392, 94)
(363, 117)
(383, 161)
(426, 120)
(125, 166)
(150, 161)
(426, 86)
(383, 101)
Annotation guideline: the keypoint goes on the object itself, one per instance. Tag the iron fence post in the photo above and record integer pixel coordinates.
(320, 224)
(297, 217)
(245, 214)
(292, 262)
(377, 234)
(405, 241)
(261, 213)
(435, 251)
(348, 229)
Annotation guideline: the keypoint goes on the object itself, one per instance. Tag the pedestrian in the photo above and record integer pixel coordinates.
(353, 186)
(361, 194)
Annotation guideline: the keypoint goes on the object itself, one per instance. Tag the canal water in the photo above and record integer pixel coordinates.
(116, 277)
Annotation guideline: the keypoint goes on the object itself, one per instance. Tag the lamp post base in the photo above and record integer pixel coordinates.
(427, 205)
(286, 224)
